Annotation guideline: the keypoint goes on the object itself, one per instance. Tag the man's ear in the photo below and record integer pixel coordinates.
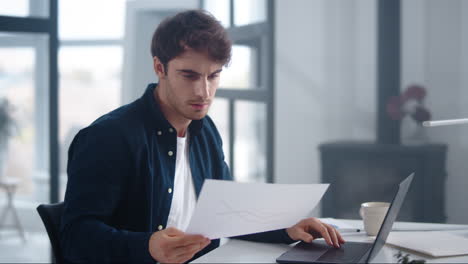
(158, 68)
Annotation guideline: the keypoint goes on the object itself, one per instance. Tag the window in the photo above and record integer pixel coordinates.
(90, 65)
(250, 146)
(23, 87)
(246, 88)
(242, 72)
(219, 111)
(91, 20)
(249, 12)
(28, 149)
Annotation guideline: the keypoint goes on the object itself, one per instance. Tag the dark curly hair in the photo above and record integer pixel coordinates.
(195, 29)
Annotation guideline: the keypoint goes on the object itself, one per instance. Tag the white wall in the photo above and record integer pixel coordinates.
(325, 81)
(435, 37)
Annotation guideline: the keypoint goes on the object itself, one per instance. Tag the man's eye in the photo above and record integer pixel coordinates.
(191, 77)
(214, 76)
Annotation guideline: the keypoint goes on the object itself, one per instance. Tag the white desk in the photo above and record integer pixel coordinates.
(238, 251)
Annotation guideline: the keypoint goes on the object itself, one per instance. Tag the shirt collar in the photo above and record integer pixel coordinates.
(158, 116)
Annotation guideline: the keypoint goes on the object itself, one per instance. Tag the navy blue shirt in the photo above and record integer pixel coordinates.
(120, 169)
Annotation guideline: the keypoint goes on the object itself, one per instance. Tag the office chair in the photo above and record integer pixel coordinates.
(51, 215)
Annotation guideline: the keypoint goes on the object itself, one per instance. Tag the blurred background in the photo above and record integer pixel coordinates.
(318, 91)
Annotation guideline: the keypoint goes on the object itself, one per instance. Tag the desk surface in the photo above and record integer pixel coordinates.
(238, 251)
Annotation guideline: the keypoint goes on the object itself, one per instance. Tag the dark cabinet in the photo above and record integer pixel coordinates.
(360, 172)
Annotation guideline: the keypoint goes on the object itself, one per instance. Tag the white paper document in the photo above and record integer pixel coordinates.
(227, 208)
(436, 244)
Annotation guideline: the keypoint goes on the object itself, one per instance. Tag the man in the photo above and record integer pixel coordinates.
(134, 174)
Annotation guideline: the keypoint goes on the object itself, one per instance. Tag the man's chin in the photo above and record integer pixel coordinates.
(197, 115)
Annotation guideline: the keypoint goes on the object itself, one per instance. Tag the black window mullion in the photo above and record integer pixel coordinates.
(25, 24)
(268, 50)
(231, 13)
(53, 102)
(231, 128)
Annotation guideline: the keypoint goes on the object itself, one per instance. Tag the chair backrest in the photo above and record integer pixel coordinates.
(51, 215)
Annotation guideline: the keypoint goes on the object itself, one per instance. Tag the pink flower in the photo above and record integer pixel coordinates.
(410, 102)
(414, 91)
(394, 108)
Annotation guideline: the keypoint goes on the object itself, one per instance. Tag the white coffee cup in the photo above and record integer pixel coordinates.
(373, 214)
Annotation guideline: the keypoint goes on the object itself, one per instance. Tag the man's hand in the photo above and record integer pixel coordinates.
(174, 246)
(311, 228)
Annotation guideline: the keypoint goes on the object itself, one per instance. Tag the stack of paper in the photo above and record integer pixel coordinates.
(436, 244)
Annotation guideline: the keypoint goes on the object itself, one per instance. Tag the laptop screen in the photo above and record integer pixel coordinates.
(390, 217)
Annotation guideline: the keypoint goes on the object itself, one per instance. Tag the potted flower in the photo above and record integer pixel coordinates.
(409, 108)
(6, 129)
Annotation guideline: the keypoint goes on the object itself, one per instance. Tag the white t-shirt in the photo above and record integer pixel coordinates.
(184, 198)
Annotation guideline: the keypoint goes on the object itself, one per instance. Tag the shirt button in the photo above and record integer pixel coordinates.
(171, 130)
(170, 153)
(169, 190)
(159, 132)
(160, 227)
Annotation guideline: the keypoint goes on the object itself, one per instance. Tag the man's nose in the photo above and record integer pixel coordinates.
(203, 89)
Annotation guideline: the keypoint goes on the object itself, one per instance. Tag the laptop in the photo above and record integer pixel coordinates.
(349, 252)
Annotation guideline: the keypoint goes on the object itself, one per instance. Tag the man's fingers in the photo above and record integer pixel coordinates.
(306, 237)
(194, 247)
(340, 238)
(188, 252)
(172, 231)
(174, 246)
(180, 251)
(324, 232)
(187, 240)
(333, 235)
(310, 228)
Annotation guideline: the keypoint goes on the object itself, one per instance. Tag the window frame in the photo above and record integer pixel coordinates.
(49, 27)
(260, 36)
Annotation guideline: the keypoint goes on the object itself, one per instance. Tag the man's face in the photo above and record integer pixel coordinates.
(190, 84)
